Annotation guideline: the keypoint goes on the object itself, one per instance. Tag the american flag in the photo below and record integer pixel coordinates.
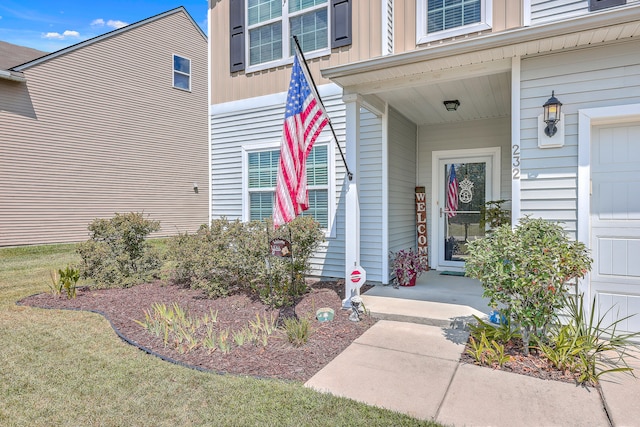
(452, 193)
(304, 119)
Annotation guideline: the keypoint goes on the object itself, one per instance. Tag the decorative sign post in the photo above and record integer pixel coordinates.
(354, 282)
(280, 248)
(421, 222)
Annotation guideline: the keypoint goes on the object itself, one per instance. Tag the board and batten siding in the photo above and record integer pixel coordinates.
(402, 181)
(587, 78)
(457, 136)
(100, 130)
(543, 11)
(256, 124)
(371, 187)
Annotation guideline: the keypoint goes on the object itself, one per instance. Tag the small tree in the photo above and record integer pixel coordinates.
(527, 269)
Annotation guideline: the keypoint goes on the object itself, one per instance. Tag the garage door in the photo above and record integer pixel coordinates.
(615, 222)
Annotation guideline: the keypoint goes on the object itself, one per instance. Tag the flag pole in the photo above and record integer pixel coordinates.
(315, 91)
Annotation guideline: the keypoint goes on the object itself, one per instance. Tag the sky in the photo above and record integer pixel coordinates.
(51, 25)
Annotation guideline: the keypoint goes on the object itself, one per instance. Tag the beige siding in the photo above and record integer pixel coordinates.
(100, 130)
(225, 87)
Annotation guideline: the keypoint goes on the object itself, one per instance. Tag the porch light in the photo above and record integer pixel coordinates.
(551, 115)
(451, 105)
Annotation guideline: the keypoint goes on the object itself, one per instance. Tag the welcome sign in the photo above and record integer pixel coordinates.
(421, 221)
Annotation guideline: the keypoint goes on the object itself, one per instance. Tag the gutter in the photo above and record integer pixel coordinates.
(595, 20)
(13, 76)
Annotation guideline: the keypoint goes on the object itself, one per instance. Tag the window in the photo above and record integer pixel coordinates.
(439, 19)
(262, 171)
(181, 73)
(271, 23)
(264, 30)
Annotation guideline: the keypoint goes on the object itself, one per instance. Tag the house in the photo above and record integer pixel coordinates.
(114, 124)
(419, 89)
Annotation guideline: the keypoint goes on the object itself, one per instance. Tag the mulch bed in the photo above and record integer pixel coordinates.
(279, 359)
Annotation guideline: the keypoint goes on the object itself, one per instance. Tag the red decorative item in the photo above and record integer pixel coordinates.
(412, 281)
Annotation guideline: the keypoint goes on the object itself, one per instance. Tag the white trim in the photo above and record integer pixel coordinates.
(266, 101)
(587, 118)
(209, 118)
(330, 232)
(422, 36)
(385, 196)
(436, 183)
(516, 146)
(526, 13)
(385, 29)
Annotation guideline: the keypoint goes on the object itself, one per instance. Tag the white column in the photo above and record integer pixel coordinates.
(352, 199)
(516, 148)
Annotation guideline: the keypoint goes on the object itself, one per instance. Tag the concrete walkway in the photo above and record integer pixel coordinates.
(410, 364)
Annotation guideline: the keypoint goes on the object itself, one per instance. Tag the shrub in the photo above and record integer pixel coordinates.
(117, 254)
(231, 256)
(526, 270)
(297, 330)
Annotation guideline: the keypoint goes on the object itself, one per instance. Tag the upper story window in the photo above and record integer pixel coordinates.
(440, 19)
(261, 31)
(181, 72)
(604, 4)
(271, 23)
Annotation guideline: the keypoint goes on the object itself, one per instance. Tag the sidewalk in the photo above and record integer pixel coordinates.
(414, 368)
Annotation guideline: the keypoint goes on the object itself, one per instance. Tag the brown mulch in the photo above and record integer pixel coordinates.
(533, 365)
(279, 359)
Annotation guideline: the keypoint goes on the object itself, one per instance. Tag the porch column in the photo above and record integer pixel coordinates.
(352, 199)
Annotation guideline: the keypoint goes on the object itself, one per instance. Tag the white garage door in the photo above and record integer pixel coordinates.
(615, 222)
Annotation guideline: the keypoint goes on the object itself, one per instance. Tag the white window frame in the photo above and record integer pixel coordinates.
(174, 71)
(286, 37)
(330, 231)
(486, 15)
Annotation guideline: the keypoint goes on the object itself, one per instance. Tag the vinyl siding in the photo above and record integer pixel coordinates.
(237, 126)
(586, 78)
(402, 182)
(100, 130)
(543, 11)
(371, 256)
(457, 136)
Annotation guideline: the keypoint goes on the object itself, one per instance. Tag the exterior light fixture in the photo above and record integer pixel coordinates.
(551, 115)
(451, 105)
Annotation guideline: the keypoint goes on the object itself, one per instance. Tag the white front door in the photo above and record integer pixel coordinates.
(463, 181)
(615, 222)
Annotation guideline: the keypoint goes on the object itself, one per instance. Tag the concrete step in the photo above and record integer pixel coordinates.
(421, 312)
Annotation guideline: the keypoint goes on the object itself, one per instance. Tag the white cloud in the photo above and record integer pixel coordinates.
(116, 24)
(113, 23)
(58, 36)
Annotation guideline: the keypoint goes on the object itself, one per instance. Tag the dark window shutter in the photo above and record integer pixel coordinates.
(236, 35)
(340, 23)
(603, 4)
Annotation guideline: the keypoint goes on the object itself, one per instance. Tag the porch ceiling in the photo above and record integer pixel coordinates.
(480, 97)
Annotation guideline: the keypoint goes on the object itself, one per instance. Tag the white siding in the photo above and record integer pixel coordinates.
(587, 78)
(371, 256)
(463, 135)
(543, 11)
(402, 182)
(237, 126)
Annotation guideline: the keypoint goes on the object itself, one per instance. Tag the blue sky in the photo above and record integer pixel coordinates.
(51, 25)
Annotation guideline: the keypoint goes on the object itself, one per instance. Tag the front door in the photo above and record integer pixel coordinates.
(466, 180)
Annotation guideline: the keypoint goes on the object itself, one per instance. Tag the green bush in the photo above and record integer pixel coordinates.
(526, 270)
(231, 256)
(117, 253)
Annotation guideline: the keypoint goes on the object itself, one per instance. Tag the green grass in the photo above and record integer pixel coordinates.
(69, 368)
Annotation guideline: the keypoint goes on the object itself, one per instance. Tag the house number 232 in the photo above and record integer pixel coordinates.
(515, 165)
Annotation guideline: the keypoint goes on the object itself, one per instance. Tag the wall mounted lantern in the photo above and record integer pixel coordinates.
(451, 105)
(551, 115)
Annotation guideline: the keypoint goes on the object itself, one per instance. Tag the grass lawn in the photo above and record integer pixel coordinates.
(69, 368)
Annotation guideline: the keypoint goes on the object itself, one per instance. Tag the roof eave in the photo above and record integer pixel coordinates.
(489, 41)
(12, 75)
